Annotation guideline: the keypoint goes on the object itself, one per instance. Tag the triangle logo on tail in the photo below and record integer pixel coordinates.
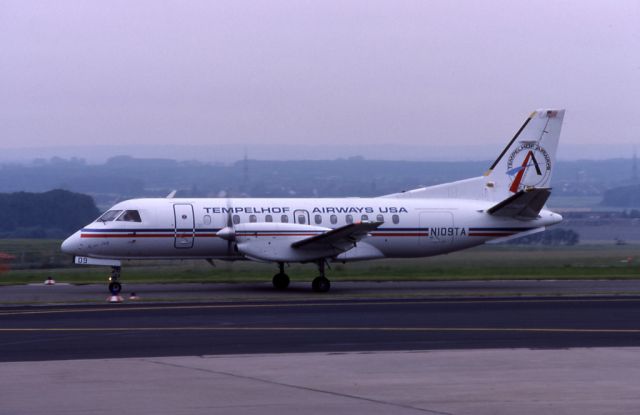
(533, 170)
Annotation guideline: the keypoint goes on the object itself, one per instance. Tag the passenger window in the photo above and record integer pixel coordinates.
(268, 218)
(236, 219)
(395, 219)
(380, 218)
(109, 215)
(253, 218)
(130, 216)
(284, 218)
(334, 219)
(349, 219)
(206, 220)
(302, 219)
(364, 218)
(318, 219)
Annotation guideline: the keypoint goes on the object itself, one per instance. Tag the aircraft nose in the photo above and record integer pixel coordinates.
(71, 245)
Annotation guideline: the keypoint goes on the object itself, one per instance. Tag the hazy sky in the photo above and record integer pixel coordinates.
(354, 73)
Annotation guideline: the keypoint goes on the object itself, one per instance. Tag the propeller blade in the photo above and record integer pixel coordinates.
(228, 233)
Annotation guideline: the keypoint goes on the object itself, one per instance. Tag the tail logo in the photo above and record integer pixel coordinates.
(528, 166)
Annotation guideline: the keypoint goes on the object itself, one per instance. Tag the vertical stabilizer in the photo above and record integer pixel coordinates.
(526, 163)
(529, 158)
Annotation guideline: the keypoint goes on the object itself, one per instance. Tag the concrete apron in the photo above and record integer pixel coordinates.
(522, 381)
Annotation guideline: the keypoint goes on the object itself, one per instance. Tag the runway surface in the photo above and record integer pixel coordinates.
(301, 291)
(148, 330)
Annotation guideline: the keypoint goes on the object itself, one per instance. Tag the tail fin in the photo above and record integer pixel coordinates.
(529, 158)
(526, 163)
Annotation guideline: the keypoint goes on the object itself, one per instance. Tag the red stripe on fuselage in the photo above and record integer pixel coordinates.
(491, 234)
(277, 234)
(399, 234)
(147, 235)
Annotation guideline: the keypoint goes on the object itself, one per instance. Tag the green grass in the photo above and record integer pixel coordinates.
(492, 262)
(34, 253)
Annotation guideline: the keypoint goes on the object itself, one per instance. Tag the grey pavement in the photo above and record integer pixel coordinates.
(97, 293)
(570, 381)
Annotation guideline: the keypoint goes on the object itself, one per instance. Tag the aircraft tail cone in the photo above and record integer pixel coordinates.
(49, 281)
(115, 299)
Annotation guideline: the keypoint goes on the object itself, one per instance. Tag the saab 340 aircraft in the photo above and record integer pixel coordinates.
(507, 201)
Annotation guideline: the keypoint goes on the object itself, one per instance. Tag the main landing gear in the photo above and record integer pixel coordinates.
(281, 280)
(114, 285)
(320, 284)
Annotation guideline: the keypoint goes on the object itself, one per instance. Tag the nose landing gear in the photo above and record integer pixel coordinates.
(114, 285)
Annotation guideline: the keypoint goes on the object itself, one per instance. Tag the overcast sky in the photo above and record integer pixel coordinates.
(354, 73)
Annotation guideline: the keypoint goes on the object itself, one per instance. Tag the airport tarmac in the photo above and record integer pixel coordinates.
(569, 352)
(97, 293)
(466, 382)
(151, 330)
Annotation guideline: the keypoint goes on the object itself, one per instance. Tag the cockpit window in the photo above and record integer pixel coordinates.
(108, 216)
(130, 216)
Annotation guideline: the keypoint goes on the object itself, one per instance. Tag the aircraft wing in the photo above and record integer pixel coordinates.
(525, 204)
(342, 238)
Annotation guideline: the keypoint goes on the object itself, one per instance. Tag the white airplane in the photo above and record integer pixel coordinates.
(507, 201)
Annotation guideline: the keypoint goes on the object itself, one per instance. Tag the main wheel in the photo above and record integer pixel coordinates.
(321, 284)
(115, 288)
(280, 281)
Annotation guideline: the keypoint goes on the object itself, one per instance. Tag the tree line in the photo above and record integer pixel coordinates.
(52, 214)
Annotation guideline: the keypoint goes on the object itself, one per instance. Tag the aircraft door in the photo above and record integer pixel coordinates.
(438, 227)
(185, 225)
(301, 216)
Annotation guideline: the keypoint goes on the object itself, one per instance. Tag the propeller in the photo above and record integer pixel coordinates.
(228, 233)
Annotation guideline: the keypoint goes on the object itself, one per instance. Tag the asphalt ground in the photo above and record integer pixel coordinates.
(321, 325)
(300, 291)
(524, 347)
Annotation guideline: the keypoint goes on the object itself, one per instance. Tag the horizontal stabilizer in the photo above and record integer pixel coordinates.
(525, 204)
(342, 238)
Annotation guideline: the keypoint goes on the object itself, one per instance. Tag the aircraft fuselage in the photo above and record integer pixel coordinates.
(190, 228)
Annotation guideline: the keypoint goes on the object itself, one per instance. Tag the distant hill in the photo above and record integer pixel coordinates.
(624, 196)
(125, 177)
(53, 214)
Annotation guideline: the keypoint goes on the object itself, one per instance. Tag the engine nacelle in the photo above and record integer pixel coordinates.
(271, 241)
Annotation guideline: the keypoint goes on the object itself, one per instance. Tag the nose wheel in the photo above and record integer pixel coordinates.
(115, 288)
(114, 285)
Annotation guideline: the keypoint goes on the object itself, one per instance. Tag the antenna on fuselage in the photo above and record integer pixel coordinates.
(172, 194)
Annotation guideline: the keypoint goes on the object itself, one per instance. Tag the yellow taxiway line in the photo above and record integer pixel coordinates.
(282, 329)
(328, 303)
